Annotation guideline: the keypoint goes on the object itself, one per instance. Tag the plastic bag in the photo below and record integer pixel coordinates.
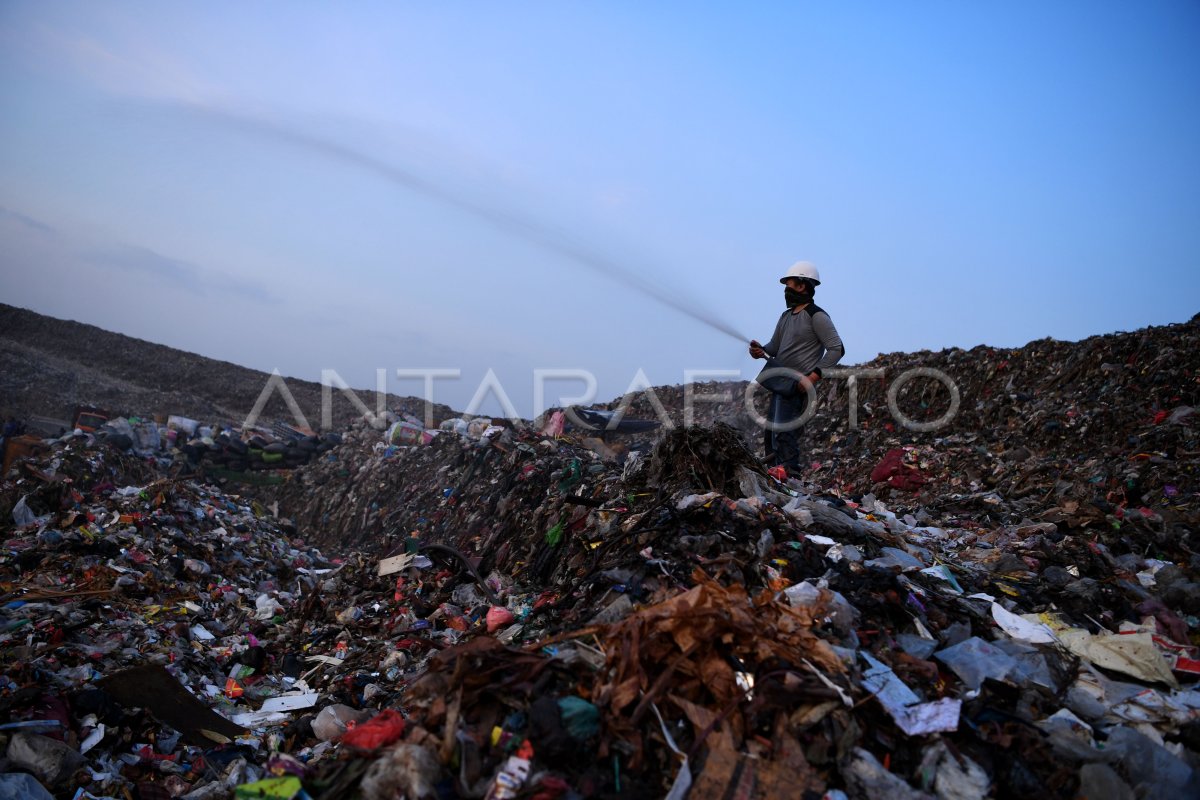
(22, 786)
(266, 607)
(333, 721)
(22, 515)
(384, 728)
(498, 617)
(974, 660)
(579, 717)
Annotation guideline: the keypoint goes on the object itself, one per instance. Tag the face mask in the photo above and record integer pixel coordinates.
(794, 298)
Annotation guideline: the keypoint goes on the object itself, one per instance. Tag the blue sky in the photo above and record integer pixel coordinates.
(358, 186)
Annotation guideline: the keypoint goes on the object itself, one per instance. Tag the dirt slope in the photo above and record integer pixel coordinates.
(48, 366)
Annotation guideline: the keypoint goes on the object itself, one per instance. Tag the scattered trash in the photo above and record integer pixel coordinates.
(1007, 607)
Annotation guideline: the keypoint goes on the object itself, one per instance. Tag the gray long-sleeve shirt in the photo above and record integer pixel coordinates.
(806, 340)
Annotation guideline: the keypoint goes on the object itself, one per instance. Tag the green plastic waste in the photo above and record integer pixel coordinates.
(579, 717)
(571, 476)
(284, 788)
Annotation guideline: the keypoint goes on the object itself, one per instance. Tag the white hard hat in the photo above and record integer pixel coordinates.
(805, 270)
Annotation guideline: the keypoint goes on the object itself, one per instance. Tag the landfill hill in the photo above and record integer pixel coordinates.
(1048, 395)
(1094, 427)
(50, 366)
(1006, 607)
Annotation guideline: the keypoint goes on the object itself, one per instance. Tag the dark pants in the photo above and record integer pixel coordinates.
(783, 447)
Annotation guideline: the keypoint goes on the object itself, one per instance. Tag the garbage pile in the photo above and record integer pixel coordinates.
(697, 624)
(1067, 430)
(512, 611)
(221, 451)
(484, 489)
(230, 451)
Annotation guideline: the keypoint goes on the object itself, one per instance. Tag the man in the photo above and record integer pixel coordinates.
(804, 344)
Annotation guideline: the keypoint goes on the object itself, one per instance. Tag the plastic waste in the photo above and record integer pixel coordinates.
(904, 706)
(467, 596)
(477, 426)
(916, 646)
(1153, 771)
(1069, 736)
(696, 500)
(406, 770)
(196, 567)
(1030, 665)
(22, 515)
(847, 552)
(49, 759)
(975, 660)
(955, 776)
(498, 617)
(840, 612)
(1023, 628)
(22, 786)
(802, 594)
(1132, 654)
(895, 557)
(384, 728)
(579, 717)
(943, 573)
(512, 776)
(284, 788)
(184, 424)
(266, 607)
(866, 777)
(616, 610)
(333, 721)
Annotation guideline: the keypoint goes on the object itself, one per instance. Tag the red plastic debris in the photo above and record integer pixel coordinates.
(384, 728)
(498, 617)
(897, 474)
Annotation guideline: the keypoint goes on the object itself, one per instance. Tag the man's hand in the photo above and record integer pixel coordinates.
(756, 349)
(810, 379)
